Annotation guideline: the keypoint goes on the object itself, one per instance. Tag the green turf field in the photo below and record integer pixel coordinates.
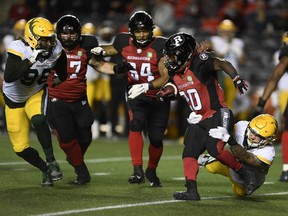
(110, 194)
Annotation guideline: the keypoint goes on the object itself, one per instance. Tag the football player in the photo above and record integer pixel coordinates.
(30, 60)
(68, 112)
(18, 31)
(144, 52)
(252, 143)
(195, 76)
(279, 70)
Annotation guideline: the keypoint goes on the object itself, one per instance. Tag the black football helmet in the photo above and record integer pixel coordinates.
(68, 24)
(178, 51)
(141, 20)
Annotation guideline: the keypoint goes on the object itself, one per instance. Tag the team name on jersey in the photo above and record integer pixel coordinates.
(73, 56)
(185, 84)
(139, 58)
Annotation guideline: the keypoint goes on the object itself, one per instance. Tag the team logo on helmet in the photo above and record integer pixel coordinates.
(178, 40)
(33, 24)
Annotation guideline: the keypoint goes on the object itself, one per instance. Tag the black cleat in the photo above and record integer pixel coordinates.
(152, 178)
(82, 180)
(284, 176)
(179, 195)
(190, 194)
(138, 176)
(249, 180)
(136, 179)
(83, 175)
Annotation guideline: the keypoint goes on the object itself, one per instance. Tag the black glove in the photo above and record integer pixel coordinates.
(122, 67)
(259, 108)
(231, 141)
(240, 84)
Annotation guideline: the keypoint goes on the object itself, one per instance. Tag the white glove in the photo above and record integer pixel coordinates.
(37, 53)
(219, 133)
(194, 118)
(98, 51)
(138, 89)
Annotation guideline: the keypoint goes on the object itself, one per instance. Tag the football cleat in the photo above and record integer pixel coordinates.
(180, 195)
(82, 180)
(83, 175)
(138, 176)
(205, 159)
(190, 194)
(55, 171)
(136, 179)
(284, 176)
(152, 178)
(249, 180)
(46, 179)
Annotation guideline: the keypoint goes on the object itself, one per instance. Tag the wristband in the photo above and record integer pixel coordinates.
(234, 75)
(261, 102)
(236, 78)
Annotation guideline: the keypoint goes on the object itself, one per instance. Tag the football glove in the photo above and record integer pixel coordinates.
(259, 108)
(194, 118)
(98, 51)
(167, 93)
(222, 134)
(137, 89)
(38, 55)
(122, 67)
(240, 84)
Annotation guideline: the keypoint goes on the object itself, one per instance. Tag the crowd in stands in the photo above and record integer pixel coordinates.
(258, 23)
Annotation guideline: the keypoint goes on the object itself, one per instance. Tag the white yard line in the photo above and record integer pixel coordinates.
(75, 211)
(100, 160)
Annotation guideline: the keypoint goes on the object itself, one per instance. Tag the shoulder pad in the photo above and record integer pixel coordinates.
(89, 41)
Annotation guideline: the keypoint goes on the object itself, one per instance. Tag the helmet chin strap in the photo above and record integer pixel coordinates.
(142, 41)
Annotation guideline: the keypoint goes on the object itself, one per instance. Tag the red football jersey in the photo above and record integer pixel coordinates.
(74, 87)
(198, 85)
(144, 60)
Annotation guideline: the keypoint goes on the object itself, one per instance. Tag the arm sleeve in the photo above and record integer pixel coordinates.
(15, 68)
(61, 66)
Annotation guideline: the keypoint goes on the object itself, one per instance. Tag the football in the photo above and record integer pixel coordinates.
(170, 88)
(168, 92)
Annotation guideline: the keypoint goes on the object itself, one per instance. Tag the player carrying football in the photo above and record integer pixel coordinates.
(195, 75)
